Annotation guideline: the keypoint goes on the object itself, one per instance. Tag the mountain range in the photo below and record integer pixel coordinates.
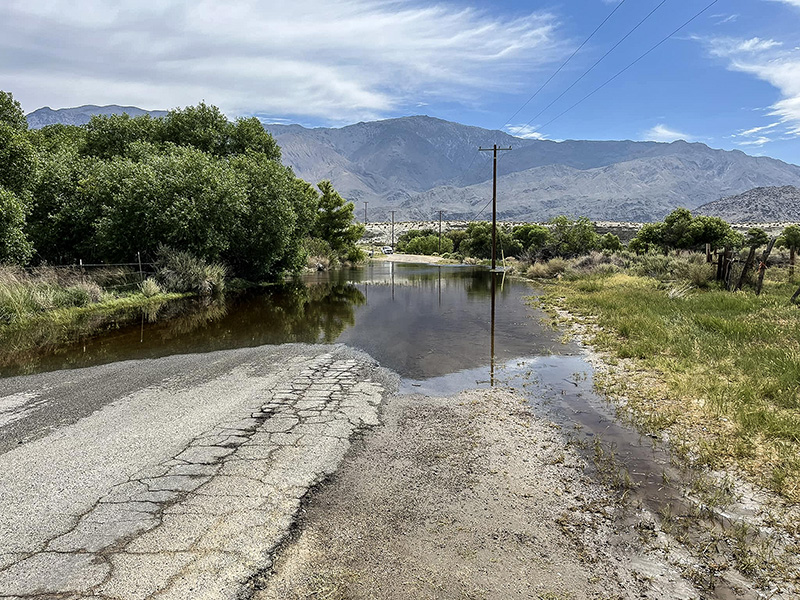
(81, 115)
(759, 205)
(419, 165)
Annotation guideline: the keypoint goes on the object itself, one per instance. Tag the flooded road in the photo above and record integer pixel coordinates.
(442, 328)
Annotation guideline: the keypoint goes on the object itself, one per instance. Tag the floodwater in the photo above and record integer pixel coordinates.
(442, 328)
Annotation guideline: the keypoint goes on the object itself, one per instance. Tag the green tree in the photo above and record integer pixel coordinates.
(203, 127)
(790, 238)
(11, 112)
(711, 230)
(334, 221)
(272, 220)
(187, 200)
(14, 245)
(249, 135)
(429, 244)
(17, 160)
(570, 237)
(649, 237)
(478, 242)
(108, 136)
(609, 242)
(531, 237)
(756, 236)
(458, 236)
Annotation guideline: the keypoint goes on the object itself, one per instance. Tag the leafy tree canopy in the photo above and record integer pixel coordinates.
(11, 112)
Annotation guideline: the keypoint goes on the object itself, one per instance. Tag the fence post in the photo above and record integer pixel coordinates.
(747, 264)
(80, 266)
(141, 275)
(763, 266)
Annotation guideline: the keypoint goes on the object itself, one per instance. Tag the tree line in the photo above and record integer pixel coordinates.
(565, 237)
(192, 181)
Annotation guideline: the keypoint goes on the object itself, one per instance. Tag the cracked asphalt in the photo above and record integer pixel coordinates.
(171, 478)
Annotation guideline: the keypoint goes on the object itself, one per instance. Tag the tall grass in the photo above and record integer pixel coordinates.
(729, 363)
(178, 271)
(26, 294)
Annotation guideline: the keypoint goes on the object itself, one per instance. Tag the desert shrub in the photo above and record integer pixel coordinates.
(179, 271)
(548, 269)
(700, 274)
(149, 287)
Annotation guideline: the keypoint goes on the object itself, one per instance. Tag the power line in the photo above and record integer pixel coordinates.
(590, 69)
(597, 89)
(591, 35)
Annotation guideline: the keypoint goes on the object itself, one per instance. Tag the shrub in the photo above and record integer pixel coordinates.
(179, 271)
(150, 287)
(548, 269)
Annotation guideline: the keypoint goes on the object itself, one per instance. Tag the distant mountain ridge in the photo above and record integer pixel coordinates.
(419, 165)
(81, 115)
(759, 205)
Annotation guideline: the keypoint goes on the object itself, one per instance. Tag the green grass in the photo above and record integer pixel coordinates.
(727, 363)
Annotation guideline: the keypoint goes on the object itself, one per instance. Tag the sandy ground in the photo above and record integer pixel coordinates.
(469, 497)
(408, 258)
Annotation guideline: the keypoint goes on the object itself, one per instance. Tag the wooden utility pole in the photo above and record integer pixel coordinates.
(392, 244)
(494, 150)
(365, 214)
(440, 231)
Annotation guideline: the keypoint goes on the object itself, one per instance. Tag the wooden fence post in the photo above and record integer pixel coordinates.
(747, 264)
(141, 275)
(763, 266)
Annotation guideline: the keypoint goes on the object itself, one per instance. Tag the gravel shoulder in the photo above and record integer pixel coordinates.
(466, 497)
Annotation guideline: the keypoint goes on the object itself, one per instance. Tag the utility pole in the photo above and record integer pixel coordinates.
(392, 230)
(365, 214)
(440, 231)
(494, 150)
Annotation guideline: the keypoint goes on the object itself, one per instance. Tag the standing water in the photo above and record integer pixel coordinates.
(441, 328)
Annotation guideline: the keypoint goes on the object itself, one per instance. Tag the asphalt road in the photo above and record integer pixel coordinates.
(170, 478)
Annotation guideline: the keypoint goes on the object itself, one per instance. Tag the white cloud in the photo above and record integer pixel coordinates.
(779, 68)
(525, 131)
(335, 60)
(662, 133)
(722, 19)
(792, 2)
(757, 142)
(754, 130)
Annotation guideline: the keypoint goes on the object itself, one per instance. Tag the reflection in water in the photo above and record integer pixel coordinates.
(419, 320)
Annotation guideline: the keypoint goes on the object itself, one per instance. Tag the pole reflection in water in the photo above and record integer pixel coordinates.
(491, 358)
(440, 286)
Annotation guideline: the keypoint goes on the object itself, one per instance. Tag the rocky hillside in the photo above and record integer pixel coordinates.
(419, 165)
(81, 114)
(759, 205)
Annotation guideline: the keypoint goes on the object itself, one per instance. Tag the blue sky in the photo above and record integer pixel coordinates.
(730, 79)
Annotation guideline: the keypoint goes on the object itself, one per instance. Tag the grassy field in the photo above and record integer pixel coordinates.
(719, 371)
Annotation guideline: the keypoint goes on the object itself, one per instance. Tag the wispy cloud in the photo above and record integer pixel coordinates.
(334, 60)
(757, 142)
(722, 19)
(768, 61)
(527, 132)
(662, 133)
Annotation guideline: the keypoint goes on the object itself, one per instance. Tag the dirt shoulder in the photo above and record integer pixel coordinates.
(409, 258)
(466, 497)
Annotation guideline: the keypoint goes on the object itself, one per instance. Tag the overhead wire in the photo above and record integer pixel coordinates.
(598, 88)
(564, 64)
(590, 69)
(556, 72)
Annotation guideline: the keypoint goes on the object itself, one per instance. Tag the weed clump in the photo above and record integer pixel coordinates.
(179, 271)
